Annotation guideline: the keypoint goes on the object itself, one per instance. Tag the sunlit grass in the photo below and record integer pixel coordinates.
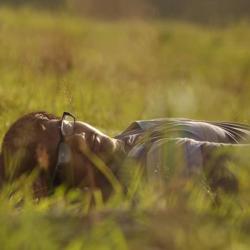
(110, 74)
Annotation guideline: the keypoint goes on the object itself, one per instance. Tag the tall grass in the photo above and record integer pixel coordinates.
(110, 74)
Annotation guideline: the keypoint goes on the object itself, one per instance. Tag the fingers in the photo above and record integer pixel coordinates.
(77, 142)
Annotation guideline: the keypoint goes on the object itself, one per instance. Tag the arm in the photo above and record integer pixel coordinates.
(190, 157)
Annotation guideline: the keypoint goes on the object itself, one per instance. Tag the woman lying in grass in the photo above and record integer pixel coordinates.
(73, 153)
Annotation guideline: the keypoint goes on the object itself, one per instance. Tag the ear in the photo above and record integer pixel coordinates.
(42, 157)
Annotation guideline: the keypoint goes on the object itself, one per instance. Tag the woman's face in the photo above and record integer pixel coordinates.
(86, 145)
(95, 141)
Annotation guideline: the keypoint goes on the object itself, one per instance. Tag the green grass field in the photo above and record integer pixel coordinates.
(110, 74)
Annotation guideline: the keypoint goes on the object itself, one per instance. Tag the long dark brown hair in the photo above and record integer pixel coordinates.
(19, 144)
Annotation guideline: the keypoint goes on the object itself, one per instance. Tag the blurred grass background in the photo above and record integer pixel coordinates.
(110, 70)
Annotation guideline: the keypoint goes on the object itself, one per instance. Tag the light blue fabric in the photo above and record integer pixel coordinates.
(148, 142)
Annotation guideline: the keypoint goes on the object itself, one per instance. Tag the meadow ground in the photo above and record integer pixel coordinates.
(110, 74)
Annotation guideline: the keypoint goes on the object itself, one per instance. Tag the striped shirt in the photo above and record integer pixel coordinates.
(147, 141)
